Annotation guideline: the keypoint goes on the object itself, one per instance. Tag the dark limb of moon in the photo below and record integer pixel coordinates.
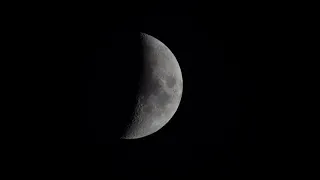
(160, 89)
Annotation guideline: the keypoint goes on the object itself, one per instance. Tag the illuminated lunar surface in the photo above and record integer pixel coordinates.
(160, 89)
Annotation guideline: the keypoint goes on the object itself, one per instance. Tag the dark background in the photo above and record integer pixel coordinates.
(213, 132)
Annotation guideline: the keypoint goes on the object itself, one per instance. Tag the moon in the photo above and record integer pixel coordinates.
(160, 90)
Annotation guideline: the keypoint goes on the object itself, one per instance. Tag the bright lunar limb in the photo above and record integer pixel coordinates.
(160, 90)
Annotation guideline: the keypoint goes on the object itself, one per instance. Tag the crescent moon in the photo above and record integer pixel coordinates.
(160, 90)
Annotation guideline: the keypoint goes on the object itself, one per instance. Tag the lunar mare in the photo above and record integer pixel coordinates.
(160, 90)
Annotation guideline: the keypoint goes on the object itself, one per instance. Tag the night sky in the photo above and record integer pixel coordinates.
(213, 132)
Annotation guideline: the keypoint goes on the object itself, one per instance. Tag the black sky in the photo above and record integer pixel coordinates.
(213, 132)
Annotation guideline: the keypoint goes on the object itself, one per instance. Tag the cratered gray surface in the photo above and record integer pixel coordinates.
(160, 89)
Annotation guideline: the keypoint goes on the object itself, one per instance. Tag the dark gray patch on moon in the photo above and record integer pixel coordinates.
(163, 98)
(171, 81)
(158, 113)
(152, 86)
(147, 109)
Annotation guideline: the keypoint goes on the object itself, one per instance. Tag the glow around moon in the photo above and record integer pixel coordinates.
(160, 89)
